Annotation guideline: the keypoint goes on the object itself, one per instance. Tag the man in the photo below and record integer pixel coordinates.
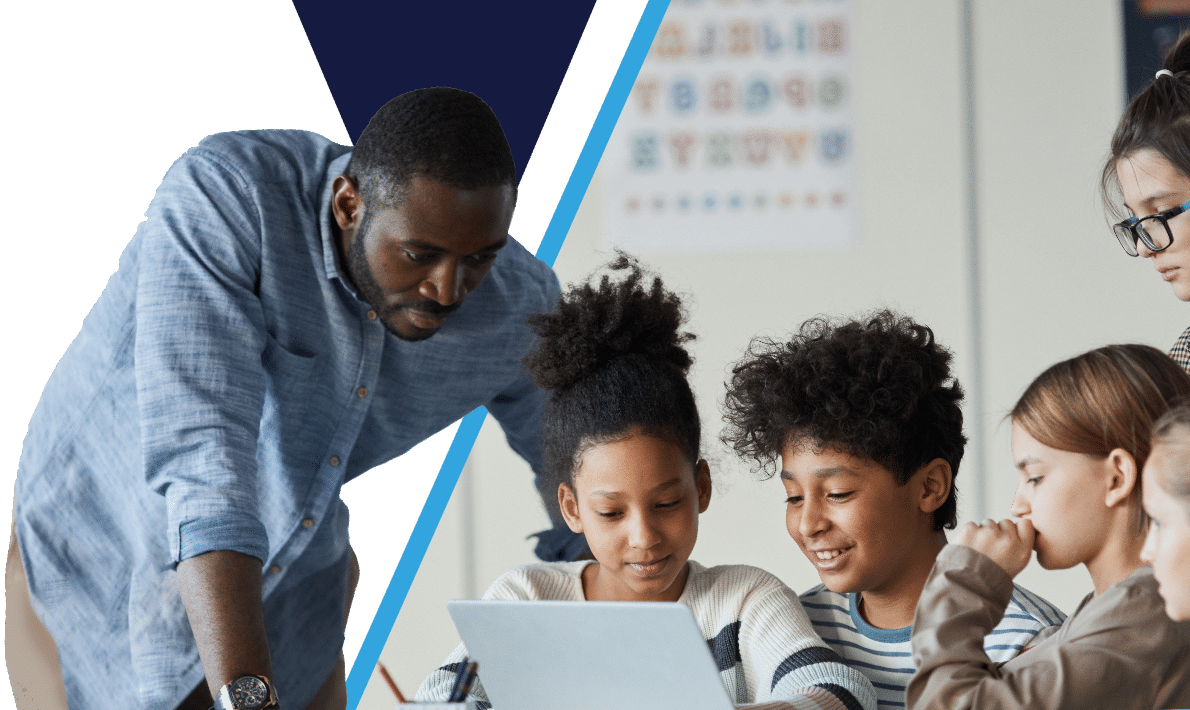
(290, 314)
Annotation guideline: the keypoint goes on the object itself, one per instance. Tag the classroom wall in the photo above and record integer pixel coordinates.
(1046, 279)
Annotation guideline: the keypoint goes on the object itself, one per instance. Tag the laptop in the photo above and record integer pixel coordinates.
(546, 655)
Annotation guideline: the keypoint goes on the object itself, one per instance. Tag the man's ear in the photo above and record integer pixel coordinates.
(1122, 473)
(937, 478)
(346, 204)
(702, 478)
(569, 505)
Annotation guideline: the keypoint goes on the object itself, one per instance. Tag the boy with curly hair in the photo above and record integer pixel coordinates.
(864, 416)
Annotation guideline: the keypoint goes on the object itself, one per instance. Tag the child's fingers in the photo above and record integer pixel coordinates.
(966, 534)
(1025, 530)
(1005, 542)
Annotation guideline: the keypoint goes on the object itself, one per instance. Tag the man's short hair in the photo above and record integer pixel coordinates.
(877, 388)
(445, 134)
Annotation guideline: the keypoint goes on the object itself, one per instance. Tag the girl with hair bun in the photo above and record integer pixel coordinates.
(1146, 180)
(1167, 503)
(1080, 437)
(622, 440)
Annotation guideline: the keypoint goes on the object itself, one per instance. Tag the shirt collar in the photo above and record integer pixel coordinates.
(326, 218)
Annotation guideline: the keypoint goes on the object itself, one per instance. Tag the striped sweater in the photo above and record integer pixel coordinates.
(885, 656)
(757, 631)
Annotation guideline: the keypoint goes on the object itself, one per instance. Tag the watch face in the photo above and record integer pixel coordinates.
(248, 693)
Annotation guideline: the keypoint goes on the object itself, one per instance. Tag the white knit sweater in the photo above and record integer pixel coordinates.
(764, 646)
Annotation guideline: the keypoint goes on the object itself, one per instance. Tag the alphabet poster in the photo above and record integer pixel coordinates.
(738, 132)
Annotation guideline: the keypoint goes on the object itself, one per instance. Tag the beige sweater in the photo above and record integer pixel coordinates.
(1118, 650)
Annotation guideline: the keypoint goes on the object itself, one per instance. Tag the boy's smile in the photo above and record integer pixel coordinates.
(860, 529)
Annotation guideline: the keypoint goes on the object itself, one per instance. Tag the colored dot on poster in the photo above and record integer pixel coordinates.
(708, 202)
(684, 203)
(659, 203)
(760, 201)
(787, 199)
(839, 198)
(812, 199)
(632, 205)
(736, 201)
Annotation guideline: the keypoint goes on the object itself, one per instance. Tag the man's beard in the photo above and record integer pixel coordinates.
(360, 273)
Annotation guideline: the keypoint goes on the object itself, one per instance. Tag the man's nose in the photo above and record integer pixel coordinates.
(444, 283)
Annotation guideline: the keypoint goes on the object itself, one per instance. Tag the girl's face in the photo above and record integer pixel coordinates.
(1063, 493)
(637, 500)
(1151, 184)
(1167, 547)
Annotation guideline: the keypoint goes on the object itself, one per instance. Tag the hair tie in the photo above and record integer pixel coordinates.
(1163, 72)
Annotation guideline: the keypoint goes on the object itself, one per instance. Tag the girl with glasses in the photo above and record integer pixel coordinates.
(1146, 180)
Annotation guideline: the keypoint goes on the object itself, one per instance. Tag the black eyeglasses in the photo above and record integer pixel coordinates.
(1153, 230)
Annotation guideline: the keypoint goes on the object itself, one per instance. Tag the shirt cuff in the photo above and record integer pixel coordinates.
(221, 533)
(209, 518)
(995, 581)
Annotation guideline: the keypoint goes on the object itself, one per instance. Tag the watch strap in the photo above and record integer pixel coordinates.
(226, 700)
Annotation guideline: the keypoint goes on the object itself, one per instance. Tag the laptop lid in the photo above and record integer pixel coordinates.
(545, 655)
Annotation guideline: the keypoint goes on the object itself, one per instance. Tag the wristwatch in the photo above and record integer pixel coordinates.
(247, 692)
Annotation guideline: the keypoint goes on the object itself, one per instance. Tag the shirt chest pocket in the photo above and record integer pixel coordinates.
(291, 394)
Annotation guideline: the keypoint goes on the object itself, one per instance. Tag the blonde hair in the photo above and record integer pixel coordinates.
(1174, 428)
(1103, 400)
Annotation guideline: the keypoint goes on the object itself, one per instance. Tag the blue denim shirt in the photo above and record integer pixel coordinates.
(221, 391)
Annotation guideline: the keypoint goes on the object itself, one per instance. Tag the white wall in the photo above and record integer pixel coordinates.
(1048, 91)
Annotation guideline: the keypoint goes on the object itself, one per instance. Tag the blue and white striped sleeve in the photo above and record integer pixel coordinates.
(791, 664)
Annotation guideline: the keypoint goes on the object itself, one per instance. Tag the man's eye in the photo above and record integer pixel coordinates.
(481, 259)
(607, 514)
(417, 258)
(794, 500)
(839, 495)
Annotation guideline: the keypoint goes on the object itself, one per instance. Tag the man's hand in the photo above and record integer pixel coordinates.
(1009, 543)
(222, 594)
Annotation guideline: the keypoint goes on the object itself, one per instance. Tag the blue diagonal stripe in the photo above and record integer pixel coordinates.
(460, 448)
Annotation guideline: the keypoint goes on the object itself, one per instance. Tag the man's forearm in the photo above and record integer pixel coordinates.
(222, 594)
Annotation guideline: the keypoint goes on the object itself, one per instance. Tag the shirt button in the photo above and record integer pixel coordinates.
(362, 392)
(275, 569)
(335, 461)
(307, 523)
(371, 315)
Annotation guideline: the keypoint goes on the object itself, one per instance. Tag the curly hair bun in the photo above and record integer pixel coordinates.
(593, 325)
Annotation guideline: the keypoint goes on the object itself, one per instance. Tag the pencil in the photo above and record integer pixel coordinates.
(392, 685)
(462, 684)
(472, 671)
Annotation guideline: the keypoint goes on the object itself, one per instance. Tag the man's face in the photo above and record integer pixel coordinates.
(415, 263)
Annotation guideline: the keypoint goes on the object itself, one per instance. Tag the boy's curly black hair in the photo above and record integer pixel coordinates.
(877, 388)
(613, 358)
